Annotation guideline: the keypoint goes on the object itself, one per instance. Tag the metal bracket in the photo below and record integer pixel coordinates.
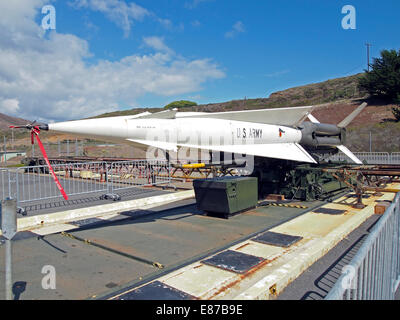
(110, 196)
(22, 211)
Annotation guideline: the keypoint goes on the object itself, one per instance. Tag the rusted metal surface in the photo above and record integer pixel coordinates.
(241, 277)
(277, 239)
(250, 274)
(365, 178)
(234, 261)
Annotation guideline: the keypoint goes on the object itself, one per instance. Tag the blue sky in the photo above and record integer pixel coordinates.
(236, 49)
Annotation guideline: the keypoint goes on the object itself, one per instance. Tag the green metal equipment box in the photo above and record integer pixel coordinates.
(227, 195)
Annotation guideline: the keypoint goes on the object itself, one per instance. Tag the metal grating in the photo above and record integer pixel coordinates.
(234, 261)
(277, 239)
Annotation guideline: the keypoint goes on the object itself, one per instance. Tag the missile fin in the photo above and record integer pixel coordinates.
(352, 116)
(313, 119)
(277, 116)
(348, 153)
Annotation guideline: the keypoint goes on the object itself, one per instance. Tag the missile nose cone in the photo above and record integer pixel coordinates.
(101, 128)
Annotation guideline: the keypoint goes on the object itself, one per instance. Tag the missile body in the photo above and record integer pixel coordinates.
(181, 131)
(280, 133)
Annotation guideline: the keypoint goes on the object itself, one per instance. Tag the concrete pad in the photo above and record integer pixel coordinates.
(387, 196)
(337, 205)
(260, 250)
(53, 229)
(318, 225)
(312, 225)
(199, 279)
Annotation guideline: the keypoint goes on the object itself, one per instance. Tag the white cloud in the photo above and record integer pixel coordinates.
(194, 3)
(166, 23)
(9, 106)
(46, 78)
(118, 11)
(158, 44)
(124, 14)
(238, 27)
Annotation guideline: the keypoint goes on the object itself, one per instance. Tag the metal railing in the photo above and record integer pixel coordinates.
(128, 174)
(370, 157)
(396, 157)
(34, 183)
(374, 273)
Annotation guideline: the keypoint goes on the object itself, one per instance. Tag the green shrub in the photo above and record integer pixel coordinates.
(180, 104)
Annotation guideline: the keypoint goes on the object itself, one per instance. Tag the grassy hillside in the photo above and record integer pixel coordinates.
(385, 137)
(5, 122)
(312, 94)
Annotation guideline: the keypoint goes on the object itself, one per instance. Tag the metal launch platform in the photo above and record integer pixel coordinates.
(163, 247)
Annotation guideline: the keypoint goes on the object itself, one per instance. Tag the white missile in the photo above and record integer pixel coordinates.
(271, 133)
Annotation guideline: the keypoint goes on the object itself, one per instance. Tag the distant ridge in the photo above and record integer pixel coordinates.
(335, 99)
(312, 94)
(6, 121)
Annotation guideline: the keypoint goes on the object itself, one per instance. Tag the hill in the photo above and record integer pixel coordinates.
(7, 121)
(312, 94)
(335, 98)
